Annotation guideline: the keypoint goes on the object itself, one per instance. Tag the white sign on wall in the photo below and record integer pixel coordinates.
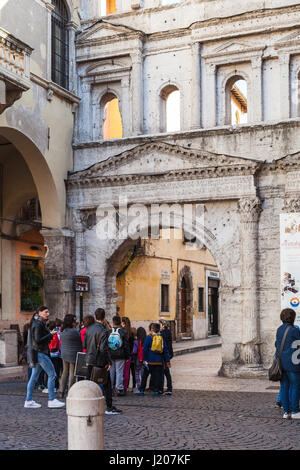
(290, 262)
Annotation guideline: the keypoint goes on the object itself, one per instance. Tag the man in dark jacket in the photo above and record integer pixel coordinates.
(39, 338)
(118, 355)
(95, 335)
(167, 335)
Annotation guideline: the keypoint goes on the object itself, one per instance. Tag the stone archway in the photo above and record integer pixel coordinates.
(225, 185)
(51, 200)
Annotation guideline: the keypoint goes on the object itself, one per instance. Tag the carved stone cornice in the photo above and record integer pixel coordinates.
(291, 204)
(249, 209)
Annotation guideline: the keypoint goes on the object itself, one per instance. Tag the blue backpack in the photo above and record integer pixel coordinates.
(114, 340)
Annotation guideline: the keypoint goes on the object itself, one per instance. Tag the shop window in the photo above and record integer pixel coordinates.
(164, 297)
(60, 44)
(236, 101)
(32, 282)
(112, 120)
(170, 109)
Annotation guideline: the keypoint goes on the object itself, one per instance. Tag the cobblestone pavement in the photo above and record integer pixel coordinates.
(190, 420)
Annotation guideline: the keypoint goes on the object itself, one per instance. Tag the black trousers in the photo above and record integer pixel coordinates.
(58, 366)
(107, 388)
(156, 374)
(166, 373)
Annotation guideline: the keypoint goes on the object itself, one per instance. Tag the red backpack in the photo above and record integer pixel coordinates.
(140, 352)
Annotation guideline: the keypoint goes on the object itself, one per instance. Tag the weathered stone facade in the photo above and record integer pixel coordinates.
(244, 175)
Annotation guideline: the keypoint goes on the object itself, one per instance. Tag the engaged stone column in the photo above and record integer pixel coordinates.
(72, 27)
(249, 210)
(137, 90)
(59, 271)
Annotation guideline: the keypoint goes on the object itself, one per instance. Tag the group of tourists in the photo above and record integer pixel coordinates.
(119, 351)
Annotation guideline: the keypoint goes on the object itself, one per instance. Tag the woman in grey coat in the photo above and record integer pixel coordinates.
(70, 345)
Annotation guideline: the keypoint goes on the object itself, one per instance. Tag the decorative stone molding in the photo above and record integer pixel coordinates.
(291, 205)
(210, 166)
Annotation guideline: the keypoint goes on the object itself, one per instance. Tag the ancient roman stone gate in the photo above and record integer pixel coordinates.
(241, 230)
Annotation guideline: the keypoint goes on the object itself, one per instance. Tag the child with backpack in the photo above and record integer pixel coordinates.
(119, 352)
(155, 353)
(138, 348)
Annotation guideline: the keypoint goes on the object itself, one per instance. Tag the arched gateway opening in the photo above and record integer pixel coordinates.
(165, 277)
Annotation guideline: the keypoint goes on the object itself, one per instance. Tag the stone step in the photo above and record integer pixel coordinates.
(13, 374)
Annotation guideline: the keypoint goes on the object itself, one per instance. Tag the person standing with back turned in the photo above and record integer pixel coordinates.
(96, 334)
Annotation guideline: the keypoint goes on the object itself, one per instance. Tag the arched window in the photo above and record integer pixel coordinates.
(236, 101)
(108, 7)
(170, 109)
(112, 120)
(60, 44)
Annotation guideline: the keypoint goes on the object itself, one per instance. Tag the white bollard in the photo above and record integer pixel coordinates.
(85, 410)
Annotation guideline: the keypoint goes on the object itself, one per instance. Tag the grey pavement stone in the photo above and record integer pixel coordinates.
(187, 420)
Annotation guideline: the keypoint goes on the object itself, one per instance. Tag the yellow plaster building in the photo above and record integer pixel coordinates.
(171, 279)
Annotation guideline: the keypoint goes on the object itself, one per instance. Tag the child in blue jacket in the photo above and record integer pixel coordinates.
(154, 360)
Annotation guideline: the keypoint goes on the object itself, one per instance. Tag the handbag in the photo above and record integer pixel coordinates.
(275, 371)
(99, 375)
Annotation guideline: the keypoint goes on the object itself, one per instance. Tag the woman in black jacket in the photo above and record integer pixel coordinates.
(167, 335)
(70, 345)
(38, 341)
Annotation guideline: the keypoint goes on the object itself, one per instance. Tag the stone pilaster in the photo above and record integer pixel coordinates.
(211, 95)
(196, 87)
(72, 27)
(284, 61)
(256, 91)
(59, 269)
(137, 91)
(249, 210)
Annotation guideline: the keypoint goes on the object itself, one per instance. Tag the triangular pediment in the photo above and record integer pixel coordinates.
(108, 66)
(104, 29)
(231, 47)
(154, 159)
(291, 38)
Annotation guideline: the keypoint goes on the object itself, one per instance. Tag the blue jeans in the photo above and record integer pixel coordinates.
(45, 363)
(290, 391)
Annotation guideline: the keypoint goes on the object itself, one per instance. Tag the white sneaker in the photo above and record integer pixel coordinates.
(31, 404)
(45, 390)
(55, 404)
(286, 416)
(295, 415)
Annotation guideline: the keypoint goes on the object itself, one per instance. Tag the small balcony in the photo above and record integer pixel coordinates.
(14, 69)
